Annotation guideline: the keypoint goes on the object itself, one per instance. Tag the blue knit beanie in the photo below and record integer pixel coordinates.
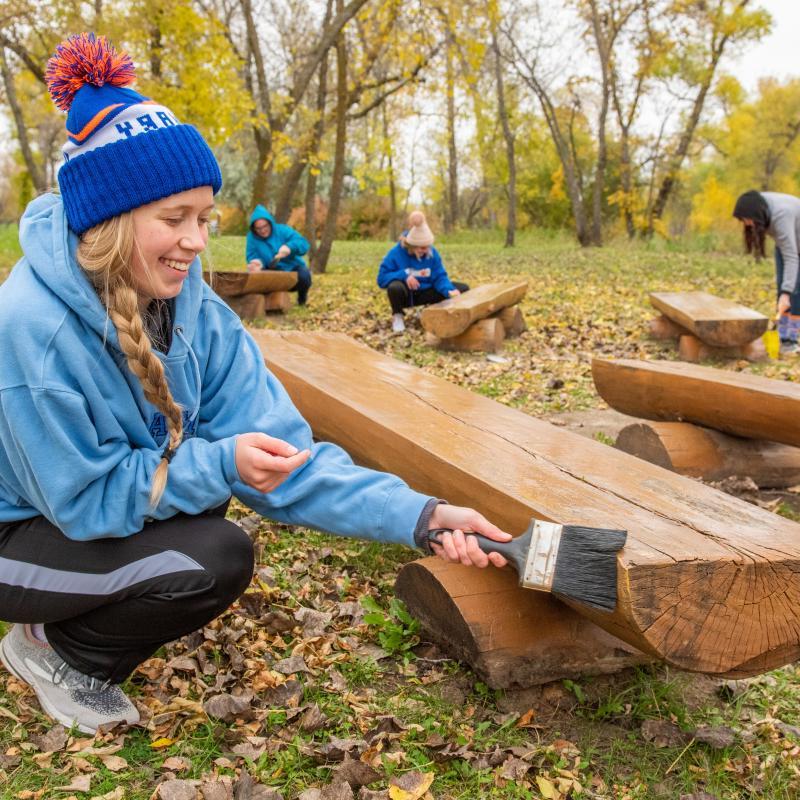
(123, 149)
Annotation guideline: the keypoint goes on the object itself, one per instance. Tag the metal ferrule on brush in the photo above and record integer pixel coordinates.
(540, 566)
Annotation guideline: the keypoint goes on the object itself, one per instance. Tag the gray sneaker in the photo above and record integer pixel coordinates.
(398, 323)
(66, 695)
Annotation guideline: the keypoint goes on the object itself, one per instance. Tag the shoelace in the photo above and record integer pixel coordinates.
(86, 682)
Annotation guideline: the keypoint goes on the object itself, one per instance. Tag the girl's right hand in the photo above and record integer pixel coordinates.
(265, 462)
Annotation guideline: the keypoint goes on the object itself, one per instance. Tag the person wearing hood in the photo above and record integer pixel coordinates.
(271, 245)
(776, 215)
(412, 272)
(134, 405)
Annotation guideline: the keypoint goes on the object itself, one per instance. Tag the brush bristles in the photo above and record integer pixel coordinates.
(586, 568)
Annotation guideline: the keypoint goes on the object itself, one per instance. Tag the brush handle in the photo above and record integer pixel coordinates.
(510, 550)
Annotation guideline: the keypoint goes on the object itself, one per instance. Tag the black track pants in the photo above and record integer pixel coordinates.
(109, 604)
(400, 296)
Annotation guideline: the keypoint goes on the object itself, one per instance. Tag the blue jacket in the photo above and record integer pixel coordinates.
(79, 443)
(264, 249)
(398, 264)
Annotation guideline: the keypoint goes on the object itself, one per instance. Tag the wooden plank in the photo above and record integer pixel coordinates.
(454, 316)
(732, 402)
(712, 455)
(485, 336)
(693, 556)
(714, 320)
(233, 284)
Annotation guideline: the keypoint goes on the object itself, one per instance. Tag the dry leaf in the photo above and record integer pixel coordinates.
(80, 783)
(410, 786)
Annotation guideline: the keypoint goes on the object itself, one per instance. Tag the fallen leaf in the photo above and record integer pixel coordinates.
(177, 790)
(80, 783)
(410, 786)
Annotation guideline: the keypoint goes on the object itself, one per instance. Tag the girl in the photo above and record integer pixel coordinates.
(776, 215)
(412, 272)
(134, 405)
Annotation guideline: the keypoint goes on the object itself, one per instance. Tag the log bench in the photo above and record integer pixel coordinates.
(733, 402)
(252, 294)
(706, 582)
(708, 327)
(479, 319)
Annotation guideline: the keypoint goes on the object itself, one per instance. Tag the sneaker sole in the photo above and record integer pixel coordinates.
(20, 671)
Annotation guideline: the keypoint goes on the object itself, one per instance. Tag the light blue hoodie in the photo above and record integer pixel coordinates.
(79, 443)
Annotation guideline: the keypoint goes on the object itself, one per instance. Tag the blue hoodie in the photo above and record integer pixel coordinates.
(398, 264)
(265, 249)
(79, 443)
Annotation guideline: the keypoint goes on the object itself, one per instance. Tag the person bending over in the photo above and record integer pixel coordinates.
(412, 272)
(271, 245)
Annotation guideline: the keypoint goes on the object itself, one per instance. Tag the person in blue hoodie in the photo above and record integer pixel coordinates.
(271, 245)
(413, 274)
(133, 405)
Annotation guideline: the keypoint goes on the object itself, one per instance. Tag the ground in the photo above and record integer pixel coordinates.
(317, 683)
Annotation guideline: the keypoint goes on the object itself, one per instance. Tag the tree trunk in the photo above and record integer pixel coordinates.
(508, 136)
(451, 215)
(337, 179)
(34, 169)
(387, 144)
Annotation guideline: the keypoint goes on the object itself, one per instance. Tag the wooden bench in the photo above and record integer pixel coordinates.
(707, 582)
(732, 402)
(707, 327)
(252, 294)
(479, 319)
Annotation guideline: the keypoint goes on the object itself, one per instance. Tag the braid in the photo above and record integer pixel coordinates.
(105, 254)
(123, 308)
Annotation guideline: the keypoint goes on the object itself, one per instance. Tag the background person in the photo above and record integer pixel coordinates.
(412, 272)
(271, 245)
(776, 215)
(134, 405)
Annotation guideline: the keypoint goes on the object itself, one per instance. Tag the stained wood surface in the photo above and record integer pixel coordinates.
(454, 316)
(277, 301)
(707, 582)
(714, 320)
(733, 402)
(485, 336)
(712, 455)
(233, 284)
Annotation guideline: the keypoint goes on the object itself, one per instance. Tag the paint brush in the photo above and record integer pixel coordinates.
(573, 561)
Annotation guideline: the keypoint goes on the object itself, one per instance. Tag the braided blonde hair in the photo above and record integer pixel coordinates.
(105, 253)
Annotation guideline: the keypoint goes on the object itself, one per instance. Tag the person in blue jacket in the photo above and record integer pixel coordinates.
(412, 272)
(133, 405)
(271, 245)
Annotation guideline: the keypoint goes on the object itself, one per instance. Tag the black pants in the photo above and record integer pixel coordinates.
(109, 604)
(400, 296)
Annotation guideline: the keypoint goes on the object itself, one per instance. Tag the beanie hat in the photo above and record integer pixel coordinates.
(123, 149)
(752, 205)
(419, 234)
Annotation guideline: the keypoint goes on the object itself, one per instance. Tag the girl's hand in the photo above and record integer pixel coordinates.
(454, 292)
(283, 251)
(254, 266)
(784, 303)
(456, 547)
(265, 462)
(412, 283)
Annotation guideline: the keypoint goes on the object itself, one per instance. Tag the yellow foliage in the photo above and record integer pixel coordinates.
(712, 207)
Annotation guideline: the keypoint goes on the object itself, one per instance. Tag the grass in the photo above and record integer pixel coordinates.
(571, 739)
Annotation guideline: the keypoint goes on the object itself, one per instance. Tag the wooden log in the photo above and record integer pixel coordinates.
(277, 301)
(707, 582)
(233, 284)
(692, 349)
(663, 329)
(247, 306)
(512, 319)
(714, 320)
(733, 402)
(485, 336)
(711, 455)
(454, 316)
